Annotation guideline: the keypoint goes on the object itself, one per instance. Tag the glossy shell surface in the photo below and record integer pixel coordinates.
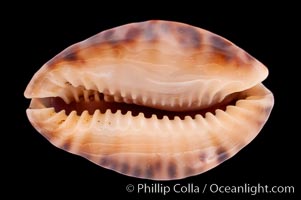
(157, 99)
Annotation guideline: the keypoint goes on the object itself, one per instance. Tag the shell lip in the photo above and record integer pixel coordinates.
(89, 100)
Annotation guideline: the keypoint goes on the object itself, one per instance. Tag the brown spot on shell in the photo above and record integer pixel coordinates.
(71, 56)
(149, 172)
(133, 33)
(259, 123)
(113, 165)
(268, 110)
(124, 168)
(68, 55)
(137, 172)
(189, 170)
(222, 154)
(172, 169)
(104, 161)
(158, 165)
(219, 43)
(189, 37)
(109, 37)
(109, 34)
(67, 144)
(149, 33)
(222, 47)
(203, 157)
(165, 27)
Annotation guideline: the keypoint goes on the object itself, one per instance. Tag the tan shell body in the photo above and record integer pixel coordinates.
(159, 65)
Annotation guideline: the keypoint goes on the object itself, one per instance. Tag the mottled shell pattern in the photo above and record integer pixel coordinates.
(157, 100)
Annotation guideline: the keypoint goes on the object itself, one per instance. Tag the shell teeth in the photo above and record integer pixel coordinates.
(128, 113)
(108, 112)
(177, 118)
(95, 116)
(127, 119)
(127, 100)
(96, 96)
(198, 117)
(123, 93)
(163, 102)
(141, 120)
(117, 120)
(58, 116)
(200, 98)
(86, 96)
(108, 98)
(144, 99)
(165, 118)
(188, 118)
(84, 117)
(99, 87)
(178, 122)
(172, 102)
(154, 117)
(154, 101)
(111, 91)
(140, 115)
(199, 102)
(134, 95)
(65, 98)
(207, 115)
(181, 102)
(80, 94)
(189, 103)
(118, 112)
(118, 98)
(75, 93)
(70, 120)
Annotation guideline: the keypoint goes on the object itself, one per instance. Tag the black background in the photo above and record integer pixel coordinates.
(37, 35)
